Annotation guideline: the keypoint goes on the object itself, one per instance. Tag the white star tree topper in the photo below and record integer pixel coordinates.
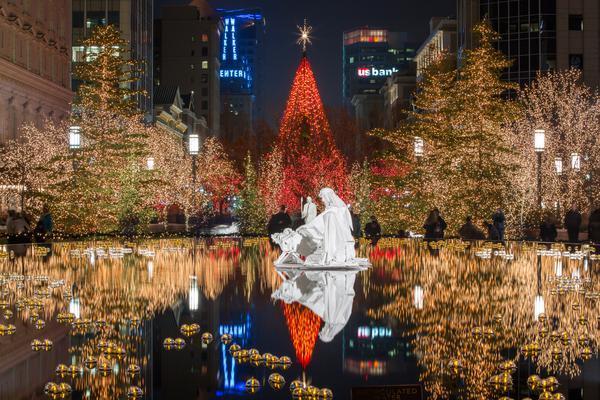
(304, 38)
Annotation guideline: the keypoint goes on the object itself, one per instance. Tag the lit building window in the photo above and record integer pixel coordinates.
(78, 53)
(204, 37)
(204, 64)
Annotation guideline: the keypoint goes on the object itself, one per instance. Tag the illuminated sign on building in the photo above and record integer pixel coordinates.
(368, 72)
(233, 73)
(230, 39)
(367, 332)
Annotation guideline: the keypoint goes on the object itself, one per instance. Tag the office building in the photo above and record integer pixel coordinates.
(538, 35)
(189, 56)
(397, 96)
(442, 39)
(35, 43)
(135, 20)
(370, 57)
(242, 57)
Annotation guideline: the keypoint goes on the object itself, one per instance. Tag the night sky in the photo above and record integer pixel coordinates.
(329, 19)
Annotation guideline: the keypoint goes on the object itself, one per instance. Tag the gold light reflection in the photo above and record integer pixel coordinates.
(475, 308)
(111, 292)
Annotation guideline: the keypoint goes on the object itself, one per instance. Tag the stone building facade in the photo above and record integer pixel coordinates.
(35, 82)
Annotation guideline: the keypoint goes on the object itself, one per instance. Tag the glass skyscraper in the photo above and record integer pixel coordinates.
(538, 35)
(242, 57)
(135, 19)
(370, 56)
(527, 32)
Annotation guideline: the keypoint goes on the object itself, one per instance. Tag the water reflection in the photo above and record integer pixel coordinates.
(470, 322)
(328, 294)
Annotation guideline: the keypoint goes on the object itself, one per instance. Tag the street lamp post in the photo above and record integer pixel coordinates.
(558, 166)
(575, 162)
(419, 147)
(194, 149)
(74, 137)
(539, 142)
(150, 163)
(74, 142)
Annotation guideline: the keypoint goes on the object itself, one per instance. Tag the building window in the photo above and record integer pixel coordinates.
(78, 53)
(204, 78)
(204, 92)
(351, 60)
(77, 19)
(204, 37)
(191, 66)
(204, 105)
(114, 18)
(575, 22)
(193, 38)
(576, 61)
(95, 18)
(204, 64)
(205, 51)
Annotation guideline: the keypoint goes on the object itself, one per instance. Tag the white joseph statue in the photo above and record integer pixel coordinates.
(329, 294)
(309, 210)
(325, 241)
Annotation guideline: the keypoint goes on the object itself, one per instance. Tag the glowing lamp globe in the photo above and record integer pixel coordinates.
(74, 137)
(194, 144)
(558, 165)
(539, 140)
(575, 162)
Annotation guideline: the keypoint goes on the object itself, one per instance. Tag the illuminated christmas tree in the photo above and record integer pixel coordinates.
(109, 184)
(253, 218)
(311, 160)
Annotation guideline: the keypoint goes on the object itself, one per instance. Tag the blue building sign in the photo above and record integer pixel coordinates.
(243, 31)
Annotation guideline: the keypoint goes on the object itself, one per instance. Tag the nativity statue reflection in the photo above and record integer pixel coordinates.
(329, 294)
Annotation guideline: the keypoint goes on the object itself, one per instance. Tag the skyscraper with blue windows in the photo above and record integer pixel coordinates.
(241, 70)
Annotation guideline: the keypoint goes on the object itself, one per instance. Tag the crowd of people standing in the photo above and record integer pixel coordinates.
(19, 228)
(548, 229)
(435, 226)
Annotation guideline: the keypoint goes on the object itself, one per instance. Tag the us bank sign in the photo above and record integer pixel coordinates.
(368, 72)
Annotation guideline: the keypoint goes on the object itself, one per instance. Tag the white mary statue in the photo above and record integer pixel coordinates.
(329, 294)
(309, 210)
(325, 241)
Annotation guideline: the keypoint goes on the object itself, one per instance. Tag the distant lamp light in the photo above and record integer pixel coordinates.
(150, 163)
(558, 164)
(194, 294)
(558, 267)
(539, 140)
(575, 162)
(419, 146)
(538, 307)
(194, 144)
(75, 307)
(74, 137)
(418, 297)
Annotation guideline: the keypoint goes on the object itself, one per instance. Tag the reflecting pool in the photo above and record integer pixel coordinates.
(185, 319)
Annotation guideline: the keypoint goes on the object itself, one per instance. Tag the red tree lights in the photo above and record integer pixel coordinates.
(304, 326)
(310, 158)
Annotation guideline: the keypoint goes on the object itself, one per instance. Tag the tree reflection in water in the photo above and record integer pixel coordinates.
(471, 309)
(468, 310)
